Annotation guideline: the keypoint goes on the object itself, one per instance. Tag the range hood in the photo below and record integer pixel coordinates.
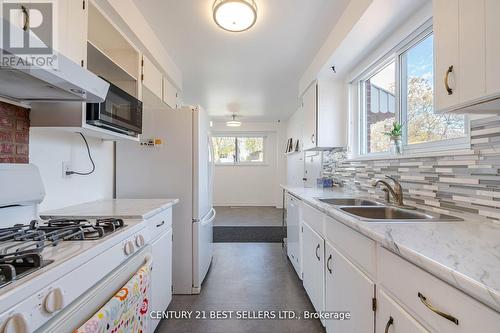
(67, 81)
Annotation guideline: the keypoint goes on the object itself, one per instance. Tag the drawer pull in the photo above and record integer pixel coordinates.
(159, 225)
(328, 264)
(317, 255)
(389, 323)
(433, 309)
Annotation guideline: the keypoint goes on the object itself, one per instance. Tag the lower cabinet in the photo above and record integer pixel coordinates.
(293, 232)
(348, 289)
(161, 276)
(391, 318)
(313, 266)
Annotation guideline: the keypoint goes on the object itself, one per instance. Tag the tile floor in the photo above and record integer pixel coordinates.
(251, 277)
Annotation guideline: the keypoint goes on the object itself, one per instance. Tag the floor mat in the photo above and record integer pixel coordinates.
(248, 234)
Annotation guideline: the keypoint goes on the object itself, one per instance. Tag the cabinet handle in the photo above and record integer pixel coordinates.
(446, 80)
(328, 264)
(317, 256)
(26, 18)
(159, 225)
(389, 323)
(435, 310)
(312, 138)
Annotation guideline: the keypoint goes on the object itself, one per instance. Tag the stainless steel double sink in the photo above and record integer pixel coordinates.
(374, 211)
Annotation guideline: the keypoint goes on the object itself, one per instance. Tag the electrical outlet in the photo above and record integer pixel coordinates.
(66, 166)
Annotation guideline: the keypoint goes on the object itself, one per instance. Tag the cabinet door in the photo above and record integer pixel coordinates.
(391, 318)
(169, 94)
(348, 289)
(313, 266)
(446, 52)
(492, 8)
(309, 105)
(472, 49)
(152, 78)
(161, 276)
(72, 17)
(293, 232)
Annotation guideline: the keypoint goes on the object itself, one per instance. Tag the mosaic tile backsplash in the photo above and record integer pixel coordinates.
(465, 184)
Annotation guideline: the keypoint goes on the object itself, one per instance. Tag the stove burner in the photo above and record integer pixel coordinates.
(21, 245)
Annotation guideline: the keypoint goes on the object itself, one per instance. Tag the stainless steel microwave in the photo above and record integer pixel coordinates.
(120, 112)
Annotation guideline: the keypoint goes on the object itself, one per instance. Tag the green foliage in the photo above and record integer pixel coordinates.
(396, 130)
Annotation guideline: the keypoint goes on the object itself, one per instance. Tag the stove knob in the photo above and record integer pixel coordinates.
(16, 324)
(54, 301)
(139, 240)
(129, 248)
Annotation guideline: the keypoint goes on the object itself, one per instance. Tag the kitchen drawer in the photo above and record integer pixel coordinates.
(160, 223)
(290, 198)
(314, 218)
(358, 248)
(409, 284)
(391, 318)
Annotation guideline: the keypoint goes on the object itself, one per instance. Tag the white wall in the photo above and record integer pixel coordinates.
(49, 148)
(255, 185)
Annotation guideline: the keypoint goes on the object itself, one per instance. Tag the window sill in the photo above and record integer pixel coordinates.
(456, 152)
(241, 164)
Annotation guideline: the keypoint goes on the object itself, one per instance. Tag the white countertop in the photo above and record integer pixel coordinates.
(465, 254)
(122, 208)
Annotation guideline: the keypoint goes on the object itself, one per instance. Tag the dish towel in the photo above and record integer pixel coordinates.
(127, 311)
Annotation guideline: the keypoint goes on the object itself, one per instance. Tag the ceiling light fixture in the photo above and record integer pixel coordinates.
(235, 15)
(233, 123)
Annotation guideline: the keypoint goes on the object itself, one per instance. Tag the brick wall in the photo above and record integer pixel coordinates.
(14, 134)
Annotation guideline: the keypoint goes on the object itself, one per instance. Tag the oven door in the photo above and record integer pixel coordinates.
(107, 297)
(120, 112)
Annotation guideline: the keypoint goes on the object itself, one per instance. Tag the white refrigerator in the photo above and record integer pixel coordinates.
(182, 167)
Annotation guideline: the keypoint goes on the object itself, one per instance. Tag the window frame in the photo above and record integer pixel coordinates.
(236, 161)
(396, 54)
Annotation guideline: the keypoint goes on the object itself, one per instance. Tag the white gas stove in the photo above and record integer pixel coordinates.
(47, 267)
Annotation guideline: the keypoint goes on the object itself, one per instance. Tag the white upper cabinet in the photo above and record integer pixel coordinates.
(72, 20)
(152, 78)
(170, 94)
(492, 9)
(325, 116)
(466, 50)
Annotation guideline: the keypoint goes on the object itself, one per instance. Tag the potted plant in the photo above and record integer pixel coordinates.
(395, 134)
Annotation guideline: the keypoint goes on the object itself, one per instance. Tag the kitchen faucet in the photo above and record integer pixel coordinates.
(396, 191)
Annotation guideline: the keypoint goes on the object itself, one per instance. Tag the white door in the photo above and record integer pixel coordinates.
(446, 53)
(309, 105)
(492, 46)
(313, 266)
(203, 249)
(391, 318)
(202, 164)
(152, 78)
(161, 276)
(348, 289)
(293, 231)
(472, 49)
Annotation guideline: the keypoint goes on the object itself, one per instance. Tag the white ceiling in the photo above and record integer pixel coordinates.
(254, 73)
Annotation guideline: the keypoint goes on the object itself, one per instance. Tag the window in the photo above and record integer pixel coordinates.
(380, 107)
(400, 89)
(238, 150)
(423, 125)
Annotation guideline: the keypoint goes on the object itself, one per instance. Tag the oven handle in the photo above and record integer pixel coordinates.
(80, 310)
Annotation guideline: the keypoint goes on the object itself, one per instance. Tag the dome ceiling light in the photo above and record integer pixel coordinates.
(233, 123)
(235, 15)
